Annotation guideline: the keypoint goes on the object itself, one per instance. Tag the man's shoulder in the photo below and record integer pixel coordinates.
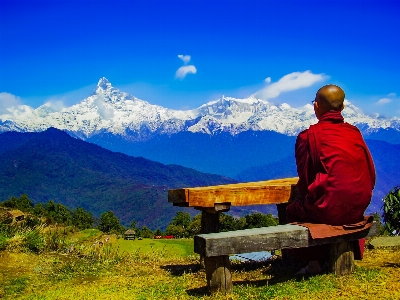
(303, 135)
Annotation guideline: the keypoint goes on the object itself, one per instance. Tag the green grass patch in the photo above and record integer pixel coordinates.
(175, 247)
(86, 234)
(15, 286)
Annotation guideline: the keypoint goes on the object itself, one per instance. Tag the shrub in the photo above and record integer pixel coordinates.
(56, 241)
(391, 211)
(34, 241)
(3, 242)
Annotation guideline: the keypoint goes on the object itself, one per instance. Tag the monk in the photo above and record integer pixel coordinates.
(335, 169)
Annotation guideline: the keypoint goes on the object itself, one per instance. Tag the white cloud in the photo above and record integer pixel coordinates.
(184, 70)
(289, 82)
(392, 95)
(184, 58)
(383, 101)
(8, 100)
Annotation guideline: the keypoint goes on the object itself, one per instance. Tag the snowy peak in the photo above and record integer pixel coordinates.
(111, 111)
(104, 84)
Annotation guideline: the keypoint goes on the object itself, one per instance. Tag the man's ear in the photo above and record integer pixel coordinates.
(342, 107)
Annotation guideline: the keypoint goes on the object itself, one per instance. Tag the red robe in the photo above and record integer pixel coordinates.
(336, 179)
(336, 173)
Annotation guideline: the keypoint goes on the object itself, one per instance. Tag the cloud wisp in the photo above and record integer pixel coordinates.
(289, 82)
(8, 100)
(185, 69)
(383, 101)
(184, 58)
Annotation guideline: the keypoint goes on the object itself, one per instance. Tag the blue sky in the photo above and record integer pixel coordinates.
(181, 54)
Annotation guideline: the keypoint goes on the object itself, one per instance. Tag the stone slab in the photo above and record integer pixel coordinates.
(385, 241)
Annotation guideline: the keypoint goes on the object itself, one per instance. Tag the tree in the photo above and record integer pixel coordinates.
(228, 223)
(146, 233)
(133, 225)
(257, 220)
(181, 219)
(109, 222)
(40, 210)
(391, 211)
(158, 232)
(195, 226)
(61, 214)
(179, 226)
(174, 230)
(22, 203)
(82, 218)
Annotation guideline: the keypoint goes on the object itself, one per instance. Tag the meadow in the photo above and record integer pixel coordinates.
(168, 269)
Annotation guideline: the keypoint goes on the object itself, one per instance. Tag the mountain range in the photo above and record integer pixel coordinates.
(51, 165)
(110, 111)
(245, 139)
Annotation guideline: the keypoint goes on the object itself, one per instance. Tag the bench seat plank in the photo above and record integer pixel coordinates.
(266, 239)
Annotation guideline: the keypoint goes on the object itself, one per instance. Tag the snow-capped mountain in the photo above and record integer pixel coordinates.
(109, 110)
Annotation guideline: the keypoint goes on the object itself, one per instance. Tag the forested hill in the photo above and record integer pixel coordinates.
(51, 165)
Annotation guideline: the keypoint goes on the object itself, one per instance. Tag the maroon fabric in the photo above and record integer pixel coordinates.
(336, 178)
(321, 231)
(336, 173)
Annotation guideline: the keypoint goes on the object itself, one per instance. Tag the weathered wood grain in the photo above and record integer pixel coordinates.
(240, 194)
(265, 239)
(341, 256)
(218, 274)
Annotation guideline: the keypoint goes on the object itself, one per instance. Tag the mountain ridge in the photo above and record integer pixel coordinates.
(109, 110)
(51, 165)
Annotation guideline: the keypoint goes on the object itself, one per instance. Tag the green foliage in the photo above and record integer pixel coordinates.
(229, 223)
(391, 211)
(195, 226)
(31, 222)
(34, 241)
(179, 225)
(257, 220)
(181, 219)
(176, 231)
(61, 214)
(133, 225)
(3, 242)
(109, 222)
(22, 203)
(16, 285)
(158, 232)
(40, 210)
(56, 241)
(382, 230)
(82, 219)
(146, 233)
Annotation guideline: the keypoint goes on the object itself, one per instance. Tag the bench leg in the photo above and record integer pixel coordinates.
(341, 258)
(218, 274)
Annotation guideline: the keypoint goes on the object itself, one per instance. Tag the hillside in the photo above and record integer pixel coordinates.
(51, 165)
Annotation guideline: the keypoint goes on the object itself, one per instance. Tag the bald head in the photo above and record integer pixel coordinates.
(330, 97)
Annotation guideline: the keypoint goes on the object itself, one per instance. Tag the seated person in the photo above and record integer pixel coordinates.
(335, 169)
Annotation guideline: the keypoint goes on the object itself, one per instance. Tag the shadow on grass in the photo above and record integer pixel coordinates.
(276, 268)
(179, 270)
(392, 265)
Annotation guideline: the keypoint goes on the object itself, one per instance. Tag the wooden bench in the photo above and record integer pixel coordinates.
(215, 247)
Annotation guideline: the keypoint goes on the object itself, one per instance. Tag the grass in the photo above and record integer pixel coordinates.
(182, 247)
(167, 269)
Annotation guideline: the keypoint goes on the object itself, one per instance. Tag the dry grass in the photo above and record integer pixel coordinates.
(140, 275)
